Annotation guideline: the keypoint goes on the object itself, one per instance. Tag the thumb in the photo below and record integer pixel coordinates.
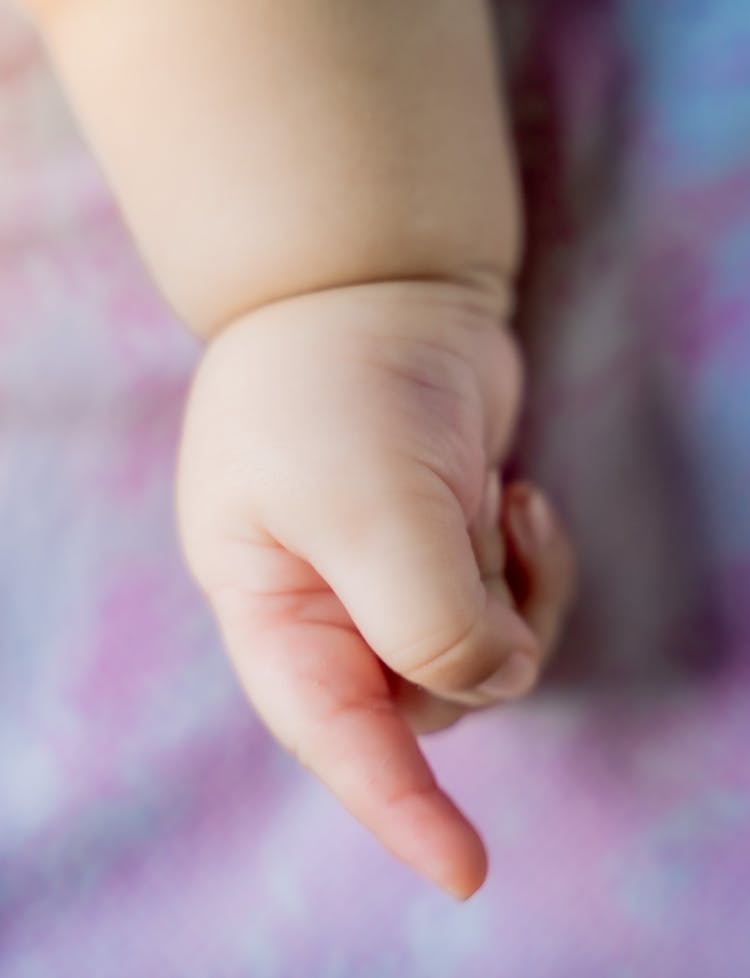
(407, 573)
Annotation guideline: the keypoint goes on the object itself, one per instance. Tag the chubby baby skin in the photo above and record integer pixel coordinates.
(324, 191)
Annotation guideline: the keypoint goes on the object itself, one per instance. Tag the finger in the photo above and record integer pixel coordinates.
(404, 568)
(542, 574)
(324, 695)
(424, 712)
(485, 531)
(541, 565)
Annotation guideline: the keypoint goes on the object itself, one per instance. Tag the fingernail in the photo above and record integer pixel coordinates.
(515, 677)
(531, 521)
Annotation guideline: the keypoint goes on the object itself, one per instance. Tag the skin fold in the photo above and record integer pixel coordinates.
(325, 193)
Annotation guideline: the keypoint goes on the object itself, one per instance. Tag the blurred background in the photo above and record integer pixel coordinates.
(148, 824)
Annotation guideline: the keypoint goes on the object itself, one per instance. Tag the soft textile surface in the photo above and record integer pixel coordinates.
(149, 827)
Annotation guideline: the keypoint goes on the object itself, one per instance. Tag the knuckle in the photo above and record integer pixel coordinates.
(323, 740)
(446, 660)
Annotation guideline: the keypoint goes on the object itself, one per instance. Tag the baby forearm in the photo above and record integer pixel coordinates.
(262, 148)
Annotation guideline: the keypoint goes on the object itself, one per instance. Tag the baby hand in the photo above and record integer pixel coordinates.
(338, 504)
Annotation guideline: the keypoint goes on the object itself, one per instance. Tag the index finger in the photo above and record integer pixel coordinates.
(323, 693)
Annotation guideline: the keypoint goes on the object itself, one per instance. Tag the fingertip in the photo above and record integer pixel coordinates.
(540, 548)
(541, 570)
(463, 887)
(459, 865)
(427, 831)
(515, 678)
(464, 893)
(529, 519)
(423, 712)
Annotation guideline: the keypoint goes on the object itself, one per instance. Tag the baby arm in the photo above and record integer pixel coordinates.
(267, 149)
(323, 190)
